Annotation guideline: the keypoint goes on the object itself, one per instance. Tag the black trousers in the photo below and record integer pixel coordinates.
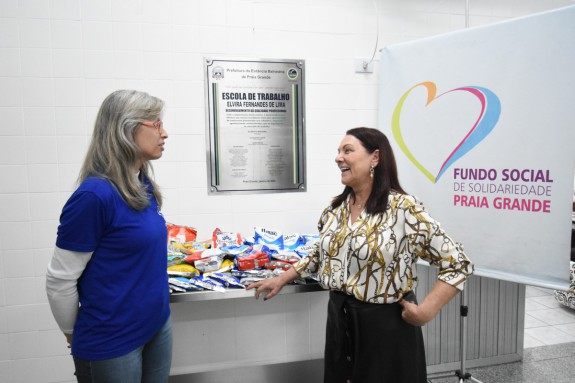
(371, 343)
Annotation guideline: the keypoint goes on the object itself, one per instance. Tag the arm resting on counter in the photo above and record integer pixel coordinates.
(271, 287)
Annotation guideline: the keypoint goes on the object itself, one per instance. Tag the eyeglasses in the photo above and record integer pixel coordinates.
(158, 124)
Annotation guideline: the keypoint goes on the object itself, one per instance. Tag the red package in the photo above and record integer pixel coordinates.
(278, 265)
(256, 260)
(193, 257)
(181, 233)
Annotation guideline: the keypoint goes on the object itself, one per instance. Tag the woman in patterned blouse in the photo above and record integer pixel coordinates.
(371, 237)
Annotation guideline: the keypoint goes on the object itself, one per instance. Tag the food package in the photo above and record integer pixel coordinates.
(271, 238)
(207, 283)
(184, 268)
(209, 253)
(179, 233)
(255, 260)
(278, 265)
(208, 264)
(180, 283)
(220, 238)
(291, 241)
(225, 279)
(226, 266)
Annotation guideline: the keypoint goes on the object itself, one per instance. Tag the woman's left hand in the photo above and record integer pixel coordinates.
(413, 313)
(418, 315)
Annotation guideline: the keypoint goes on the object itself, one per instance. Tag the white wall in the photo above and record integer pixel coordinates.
(60, 58)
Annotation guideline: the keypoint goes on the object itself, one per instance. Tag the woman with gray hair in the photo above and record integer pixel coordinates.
(107, 282)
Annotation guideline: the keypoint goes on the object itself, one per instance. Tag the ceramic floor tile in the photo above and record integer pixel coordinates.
(529, 341)
(544, 364)
(531, 322)
(548, 300)
(567, 328)
(531, 305)
(568, 311)
(549, 335)
(552, 316)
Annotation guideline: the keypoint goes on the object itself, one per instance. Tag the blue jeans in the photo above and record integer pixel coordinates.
(149, 363)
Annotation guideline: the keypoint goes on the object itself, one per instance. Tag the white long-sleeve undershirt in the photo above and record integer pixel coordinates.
(61, 285)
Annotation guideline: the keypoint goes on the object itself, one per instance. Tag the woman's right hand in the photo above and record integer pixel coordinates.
(268, 287)
(272, 286)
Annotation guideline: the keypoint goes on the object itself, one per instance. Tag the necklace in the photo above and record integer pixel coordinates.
(360, 205)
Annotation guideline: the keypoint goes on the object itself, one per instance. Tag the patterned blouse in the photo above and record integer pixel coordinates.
(374, 258)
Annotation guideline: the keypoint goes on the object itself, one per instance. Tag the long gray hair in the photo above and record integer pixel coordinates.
(113, 153)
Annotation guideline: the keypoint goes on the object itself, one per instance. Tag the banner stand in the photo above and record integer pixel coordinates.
(461, 373)
(463, 310)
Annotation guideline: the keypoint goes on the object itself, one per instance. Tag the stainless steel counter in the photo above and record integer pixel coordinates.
(235, 293)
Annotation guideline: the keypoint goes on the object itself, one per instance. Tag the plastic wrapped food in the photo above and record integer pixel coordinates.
(291, 241)
(226, 266)
(208, 284)
(268, 237)
(208, 264)
(288, 256)
(183, 268)
(255, 260)
(221, 238)
(175, 259)
(225, 279)
(179, 233)
(182, 283)
(280, 265)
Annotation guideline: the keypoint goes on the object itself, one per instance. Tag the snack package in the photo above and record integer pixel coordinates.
(192, 258)
(178, 283)
(291, 241)
(255, 260)
(288, 256)
(278, 265)
(208, 253)
(235, 250)
(208, 264)
(261, 274)
(249, 280)
(179, 233)
(185, 247)
(207, 284)
(183, 268)
(175, 258)
(268, 237)
(304, 250)
(310, 238)
(225, 279)
(220, 238)
(226, 266)
(176, 289)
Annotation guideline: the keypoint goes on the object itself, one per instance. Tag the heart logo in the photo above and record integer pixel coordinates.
(486, 121)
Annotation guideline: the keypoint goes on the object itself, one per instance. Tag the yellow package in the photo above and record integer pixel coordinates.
(184, 268)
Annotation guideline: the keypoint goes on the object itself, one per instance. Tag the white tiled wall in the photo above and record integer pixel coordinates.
(60, 58)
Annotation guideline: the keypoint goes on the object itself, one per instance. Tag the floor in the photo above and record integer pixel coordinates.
(546, 321)
(549, 346)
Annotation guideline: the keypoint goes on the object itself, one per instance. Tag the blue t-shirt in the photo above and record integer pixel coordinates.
(123, 292)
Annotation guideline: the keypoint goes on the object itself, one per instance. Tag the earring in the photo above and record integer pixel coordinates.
(371, 170)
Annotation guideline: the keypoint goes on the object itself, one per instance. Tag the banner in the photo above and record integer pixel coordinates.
(482, 123)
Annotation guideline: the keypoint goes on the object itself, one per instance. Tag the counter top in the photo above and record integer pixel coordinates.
(233, 293)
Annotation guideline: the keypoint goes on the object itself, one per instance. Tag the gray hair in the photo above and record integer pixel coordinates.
(113, 153)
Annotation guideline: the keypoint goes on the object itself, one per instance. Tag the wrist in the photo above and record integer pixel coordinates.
(288, 276)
